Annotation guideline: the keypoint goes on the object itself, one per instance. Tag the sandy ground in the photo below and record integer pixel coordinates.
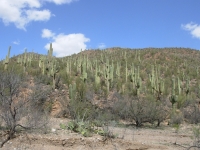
(130, 138)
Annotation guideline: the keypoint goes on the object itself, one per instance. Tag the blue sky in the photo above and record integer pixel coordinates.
(72, 25)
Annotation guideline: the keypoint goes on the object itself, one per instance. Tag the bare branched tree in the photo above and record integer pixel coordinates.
(21, 105)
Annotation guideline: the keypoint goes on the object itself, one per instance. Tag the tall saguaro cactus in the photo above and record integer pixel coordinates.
(52, 66)
(68, 67)
(49, 58)
(25, 60)
(157, 84)
(50, 53)
(126, 71)
(6, 61)
(108, 74)
(179, 86)
(72, 91)
(118, 70)
(187, 88)
(173, 98)
(83, 71)
(136, 79)
(42, 64)
(53, 71)
(97, 76)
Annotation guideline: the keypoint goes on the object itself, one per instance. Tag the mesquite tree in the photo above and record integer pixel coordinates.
(21, 105)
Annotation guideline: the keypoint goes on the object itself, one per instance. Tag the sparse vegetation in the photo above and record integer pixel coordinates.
(21, 104)
(138, 86)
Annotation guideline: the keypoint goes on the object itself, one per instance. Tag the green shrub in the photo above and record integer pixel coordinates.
(82, 127)
(63, 126)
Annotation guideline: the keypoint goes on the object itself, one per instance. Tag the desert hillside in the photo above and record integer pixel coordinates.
(95, 90)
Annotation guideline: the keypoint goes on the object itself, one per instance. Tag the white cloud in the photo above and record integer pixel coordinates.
(22, 12)
(193, 28)
(64, 45)
(59, 2)
(46, 33)
(16, 42)
(36, 15)
(101, 46)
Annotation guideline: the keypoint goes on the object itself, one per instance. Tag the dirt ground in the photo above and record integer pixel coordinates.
(130, 138)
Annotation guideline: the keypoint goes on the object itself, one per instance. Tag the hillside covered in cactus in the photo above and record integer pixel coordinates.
(138, 85)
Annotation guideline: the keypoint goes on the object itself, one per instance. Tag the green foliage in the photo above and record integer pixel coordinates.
(63, 126)
(82, 127)
(88, 128)
(149, 77)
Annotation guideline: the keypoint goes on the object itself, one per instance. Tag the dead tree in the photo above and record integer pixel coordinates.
(21, 105)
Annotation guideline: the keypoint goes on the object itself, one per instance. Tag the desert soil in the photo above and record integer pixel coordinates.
(130, 138)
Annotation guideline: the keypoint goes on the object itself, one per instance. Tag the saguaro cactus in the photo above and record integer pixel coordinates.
(157, 84)
(118, 70)
(25, 60)
(137, 56)
(29, 59)
(72, 91)
(136, 79)
(187, 88)
(53, 71)
(6, 61)
(68, 67)
(49, 59)
(179, 86)
(50, 53)
(173, 98)
(126, 71)
(83, 71)
(97, 76)
(19, 60)
(42, 64)
(108, 74)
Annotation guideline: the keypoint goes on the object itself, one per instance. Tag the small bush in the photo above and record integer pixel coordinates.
(108, 133)
(176, 118)
(196, 137)
(63, 126)
(141, 110)
(192, 114)
(82, 127)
